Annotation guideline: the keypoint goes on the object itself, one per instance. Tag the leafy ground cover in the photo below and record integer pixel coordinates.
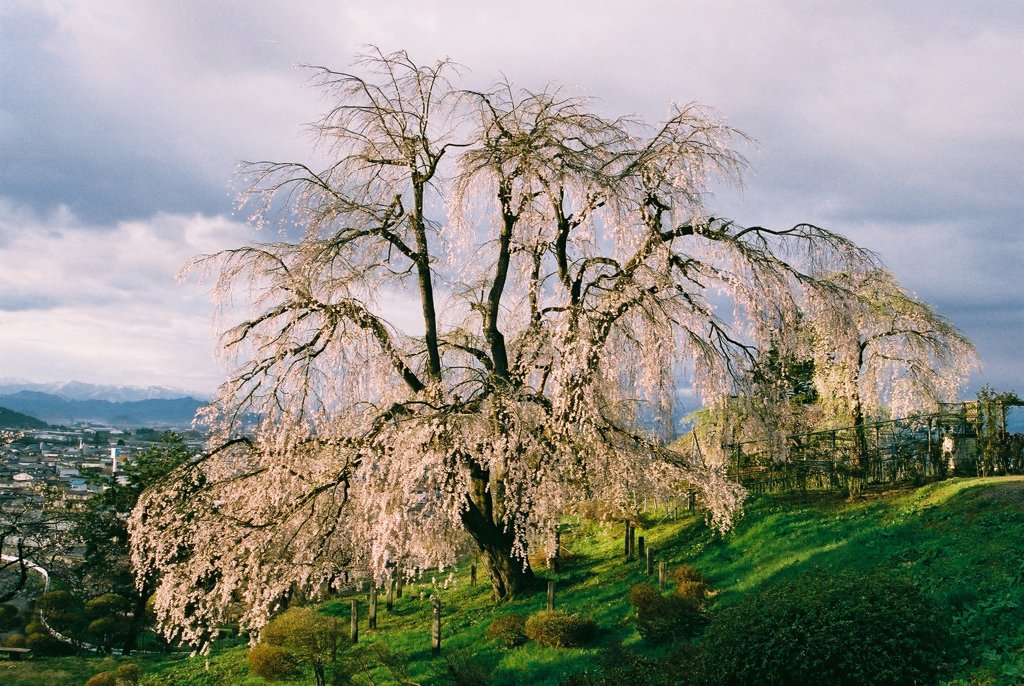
(959, 541)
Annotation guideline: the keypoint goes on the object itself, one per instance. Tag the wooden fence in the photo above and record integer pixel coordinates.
(946, 443)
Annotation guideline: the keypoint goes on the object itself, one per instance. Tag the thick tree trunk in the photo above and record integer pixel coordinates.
(136, 621)
(859, 475)
(510, 575)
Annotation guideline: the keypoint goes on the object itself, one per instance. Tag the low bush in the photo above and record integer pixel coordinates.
(615, 666)
(508, 629)
(687, 574)
(851, 629)
(271, 662)
(559, 629)
(125, 675)
(641, 594)
(460, 667)
(102, 679)
(10, 618)
(35, 627)
(63, 611)
(15, 641)
(129, 673)
(694, 591)
(661, 618)
(45, 644)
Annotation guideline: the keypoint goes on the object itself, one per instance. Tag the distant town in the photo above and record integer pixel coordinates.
(70, 440)
(74, 462)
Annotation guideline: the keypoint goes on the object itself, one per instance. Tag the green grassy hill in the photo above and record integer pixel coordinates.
(960, 541)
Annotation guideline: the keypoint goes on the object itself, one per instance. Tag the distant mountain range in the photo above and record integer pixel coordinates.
(72, 402)
(77, 390)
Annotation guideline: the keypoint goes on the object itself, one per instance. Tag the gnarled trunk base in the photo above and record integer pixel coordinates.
(510, 575)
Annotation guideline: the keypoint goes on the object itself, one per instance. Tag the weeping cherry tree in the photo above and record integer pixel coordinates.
(879, 351)
(479, 300)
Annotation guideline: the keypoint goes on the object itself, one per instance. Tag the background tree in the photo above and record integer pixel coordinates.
(101, 529)
(63, 612)
(990, 423)
(109, 618)
(776, 401)
(31, 531)
(559, 268)
(879, 351)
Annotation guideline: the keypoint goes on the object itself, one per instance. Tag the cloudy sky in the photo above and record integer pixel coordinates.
(900, 124)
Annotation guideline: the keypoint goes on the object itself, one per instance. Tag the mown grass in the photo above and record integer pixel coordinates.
(959, 540)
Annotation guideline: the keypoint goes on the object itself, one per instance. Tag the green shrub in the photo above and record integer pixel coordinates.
(687, 573)
(615, 666)
(62, 611)
(128, 673)
(460, 667)
(640, 594)
(694, 591)
(508, 629)
(559, 629)
(271, 662)
(125, 675)
(10, 618)
(850, 629)
(661, 618)
(308, 636)
(15, 641)
(107, 605)
(102, 679)
(108, 631)
(45, 644)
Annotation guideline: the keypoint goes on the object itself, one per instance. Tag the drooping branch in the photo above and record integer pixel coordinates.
(484, 318)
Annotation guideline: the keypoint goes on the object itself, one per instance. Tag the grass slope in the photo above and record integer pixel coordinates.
(959, 540)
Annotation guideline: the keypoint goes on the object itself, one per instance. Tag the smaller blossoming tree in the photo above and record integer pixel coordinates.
(879, 351)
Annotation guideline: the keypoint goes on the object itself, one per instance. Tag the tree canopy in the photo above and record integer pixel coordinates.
(479, 300)
(100, 530)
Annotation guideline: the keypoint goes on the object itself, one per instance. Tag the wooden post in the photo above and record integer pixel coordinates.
(472, 575)
(390, 602)
(551, 596)
(371, 617)
(641, 549)
(435, 627)
(625, 539)
(650, 561)
(355, 620)
(631, 550)
(662, 575)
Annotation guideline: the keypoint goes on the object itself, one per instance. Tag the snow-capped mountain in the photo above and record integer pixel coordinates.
(78, 390)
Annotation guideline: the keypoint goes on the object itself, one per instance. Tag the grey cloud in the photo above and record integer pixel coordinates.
(896, 123)
(22, 302)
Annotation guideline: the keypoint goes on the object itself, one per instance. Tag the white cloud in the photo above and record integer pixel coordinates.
(897, 123)
(101, 304)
